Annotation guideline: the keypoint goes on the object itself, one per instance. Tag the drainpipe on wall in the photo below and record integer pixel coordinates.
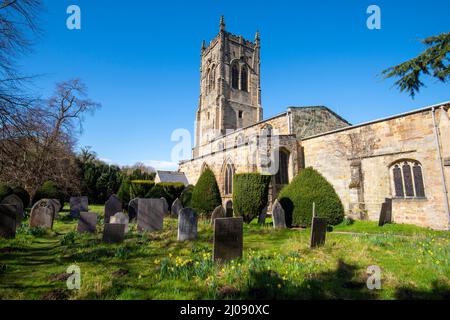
(441, 164)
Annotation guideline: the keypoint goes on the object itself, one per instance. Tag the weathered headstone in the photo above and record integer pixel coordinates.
(57, 206)
(150, 215)
(228, 239)
(229, 209)
(120, 218)
(262, 217)
(218, 212)
(87, 222)
(318, 232)
(18, 203)
(113, 233)
(177, 205)
(78, 205)
(8, 215)
(386, 213)
(187, 224)
(133, 206)
(166, 206)
(42, 214)
(278, 216)
(112, 206)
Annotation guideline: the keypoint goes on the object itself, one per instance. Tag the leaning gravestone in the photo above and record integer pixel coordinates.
(87, 222)
(18, 203)
(133, 209)
(78, 205)
(150, 215)
(318, 232)
(218, 212)
(187, 224)
(386, 213)
(112, 206)
(262, 217)
(120, 218)
(8, 215)
(57, 206)
(177, 205)
(113, 233)
(278, 216)
(228, 239)
(166, 206)
(42, 214)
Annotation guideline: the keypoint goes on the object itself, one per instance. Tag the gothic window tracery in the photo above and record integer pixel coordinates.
(244, 78)
(407, 179)
(235, 76)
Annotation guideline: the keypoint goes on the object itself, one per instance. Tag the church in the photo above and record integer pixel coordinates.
(402, 160)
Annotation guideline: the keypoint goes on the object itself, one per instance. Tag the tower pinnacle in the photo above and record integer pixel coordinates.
(222, 23)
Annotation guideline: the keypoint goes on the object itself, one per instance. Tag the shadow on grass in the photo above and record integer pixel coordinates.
(336, 284)
(438, 292)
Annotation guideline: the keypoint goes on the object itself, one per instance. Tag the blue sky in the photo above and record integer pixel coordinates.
(140, 59)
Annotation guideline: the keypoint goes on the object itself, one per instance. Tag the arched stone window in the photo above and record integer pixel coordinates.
(235, 76)
(282, 176)
(407, 178)
(244, 78)
(228, 181)
(212, 78)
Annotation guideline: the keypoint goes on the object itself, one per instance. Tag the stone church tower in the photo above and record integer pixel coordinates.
(230, 90)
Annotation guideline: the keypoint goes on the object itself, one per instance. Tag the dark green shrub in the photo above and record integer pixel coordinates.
(186, 196)
(250, 194)
(124, 191)
(158, 192)
(173, 189)
(206, 194)
(23, 195)
(49, 190)
(5, 191)
(309, 187)
(139, 188)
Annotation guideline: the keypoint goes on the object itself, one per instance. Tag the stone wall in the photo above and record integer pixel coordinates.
(376, 146)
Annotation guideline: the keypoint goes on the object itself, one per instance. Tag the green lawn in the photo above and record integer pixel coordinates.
(276, 264)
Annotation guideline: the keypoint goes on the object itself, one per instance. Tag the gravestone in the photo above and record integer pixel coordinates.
(18, 203)
(262, 217)
(166, 206)
(318, 232)
(8, 215)
(229, 209)
(42, 214)
(78, 205)
(120, 218)
(57, 206)
(177, 205)
(112, 206)
(218, 212)
(386, 213)
(87, 222)
(113, 233)
(150, 215)
(228, 239)
(133, 209)
(278, 216)
(187, 224)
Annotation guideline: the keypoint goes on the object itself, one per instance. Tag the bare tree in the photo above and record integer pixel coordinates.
(46, 151)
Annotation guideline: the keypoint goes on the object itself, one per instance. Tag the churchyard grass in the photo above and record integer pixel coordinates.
(277, 264)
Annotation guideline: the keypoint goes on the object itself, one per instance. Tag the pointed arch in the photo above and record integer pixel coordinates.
(244, 78)
(228, 171)
(235, 76)
(282, 175)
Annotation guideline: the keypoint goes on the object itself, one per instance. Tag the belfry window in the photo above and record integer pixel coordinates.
(407, 177)
(244, 79)
(235, 76)
(229, 173)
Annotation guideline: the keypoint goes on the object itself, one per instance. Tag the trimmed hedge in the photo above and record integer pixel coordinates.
(307, 187)
(23, 195)
(49, 190)
(250, 194)
(173, 190)
(206, 195)
(158, 192)
(5, 191)
(139, 188)
(186, 196)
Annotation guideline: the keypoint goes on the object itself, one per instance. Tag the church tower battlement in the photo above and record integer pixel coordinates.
(230, 86)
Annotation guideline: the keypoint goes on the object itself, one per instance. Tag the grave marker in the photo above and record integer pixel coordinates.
(113, 233)
(87, 222)
(187, 224)
(150, 215)
(228, 239)
(8, 215)
(318, 232)
(112, 206)
(278, 216)
(42, 214)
